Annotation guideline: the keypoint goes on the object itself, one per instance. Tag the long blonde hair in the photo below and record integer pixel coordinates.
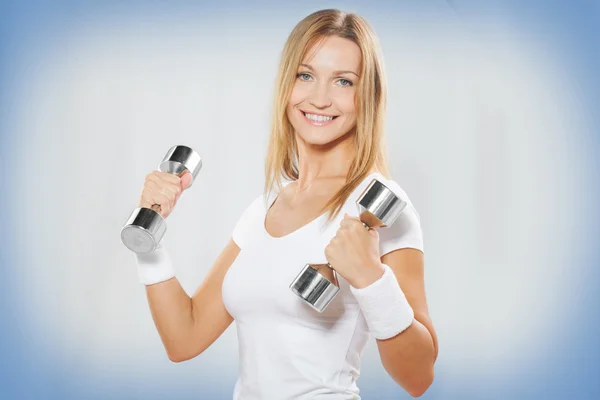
(282, 154)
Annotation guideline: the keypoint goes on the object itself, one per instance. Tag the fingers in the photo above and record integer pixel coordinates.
(186, 180)
(164, 189)
(166, 196)
(350, 222)
(167, 177)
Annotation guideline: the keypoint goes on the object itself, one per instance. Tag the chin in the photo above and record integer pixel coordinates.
(319, 138)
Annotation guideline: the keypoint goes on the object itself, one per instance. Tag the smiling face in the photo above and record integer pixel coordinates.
(322, 105)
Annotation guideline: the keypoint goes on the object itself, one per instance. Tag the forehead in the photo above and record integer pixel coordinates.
(334, 53)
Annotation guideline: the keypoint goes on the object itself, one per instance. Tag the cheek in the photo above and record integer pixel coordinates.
(297, 96)
(291, 103)
(346, 104)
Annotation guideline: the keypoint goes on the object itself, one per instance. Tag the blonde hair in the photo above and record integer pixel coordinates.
(282, 154)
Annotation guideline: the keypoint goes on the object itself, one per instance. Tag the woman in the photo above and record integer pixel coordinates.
(327, 142)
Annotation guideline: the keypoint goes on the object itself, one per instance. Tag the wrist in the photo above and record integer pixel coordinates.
(154, 267)
(384, 306)
(368, 276)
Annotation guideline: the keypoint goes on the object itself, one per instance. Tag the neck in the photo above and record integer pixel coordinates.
(324, 162)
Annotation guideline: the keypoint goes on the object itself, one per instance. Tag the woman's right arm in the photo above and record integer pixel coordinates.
(188, 326)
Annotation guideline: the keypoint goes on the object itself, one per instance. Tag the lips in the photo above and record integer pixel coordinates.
(318, 114)
(318, 119)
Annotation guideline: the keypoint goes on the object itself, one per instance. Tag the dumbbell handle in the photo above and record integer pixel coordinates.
(366, 226)
(156, 207)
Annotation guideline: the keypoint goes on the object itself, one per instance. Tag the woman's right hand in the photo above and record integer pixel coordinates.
(163, 189)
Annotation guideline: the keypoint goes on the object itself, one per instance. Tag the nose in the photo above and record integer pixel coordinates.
(320, 96)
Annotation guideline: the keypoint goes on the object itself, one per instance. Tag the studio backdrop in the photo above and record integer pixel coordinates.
(489, 131)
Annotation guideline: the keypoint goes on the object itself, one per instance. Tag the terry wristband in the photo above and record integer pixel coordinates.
(155, 267)
(384, 306)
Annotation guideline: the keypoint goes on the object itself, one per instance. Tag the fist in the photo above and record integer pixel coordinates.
(354, 252)
(163, 189)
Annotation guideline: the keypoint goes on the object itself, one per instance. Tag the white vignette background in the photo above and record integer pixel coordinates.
(480, 133)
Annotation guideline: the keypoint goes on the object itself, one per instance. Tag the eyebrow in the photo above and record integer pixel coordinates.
(334, 72)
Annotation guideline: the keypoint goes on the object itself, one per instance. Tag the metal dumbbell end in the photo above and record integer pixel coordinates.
(378, 207)
(145, 227)
(317, 285)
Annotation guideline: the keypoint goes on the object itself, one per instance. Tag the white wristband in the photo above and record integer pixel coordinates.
(384, 306)
(155, 267)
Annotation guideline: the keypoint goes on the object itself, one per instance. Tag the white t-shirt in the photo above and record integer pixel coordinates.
(287, 349)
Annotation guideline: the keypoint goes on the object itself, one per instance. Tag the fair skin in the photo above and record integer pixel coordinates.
(325, 152)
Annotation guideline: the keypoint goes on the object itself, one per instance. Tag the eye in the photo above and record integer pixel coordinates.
(345, 82)
(303, 76)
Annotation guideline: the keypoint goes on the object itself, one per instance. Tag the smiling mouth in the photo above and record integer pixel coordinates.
(319, 119)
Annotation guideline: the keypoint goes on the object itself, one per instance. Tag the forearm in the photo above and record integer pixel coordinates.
(409, 357)
(170, 305)
(172, 313)
(407, 346)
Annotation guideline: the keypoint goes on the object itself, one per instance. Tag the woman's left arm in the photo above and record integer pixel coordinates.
(409, 356)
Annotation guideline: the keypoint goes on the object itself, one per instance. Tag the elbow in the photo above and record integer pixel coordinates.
(178, 357)
(418, 390)
(180, 354)
(417, 393)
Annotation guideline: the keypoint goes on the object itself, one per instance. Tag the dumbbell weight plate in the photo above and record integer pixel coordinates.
(179, 159)
(378, 206)
(144, 230)
(317, 285)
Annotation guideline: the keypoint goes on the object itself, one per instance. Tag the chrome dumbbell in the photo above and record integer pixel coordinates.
(378, 207)
(146, 227)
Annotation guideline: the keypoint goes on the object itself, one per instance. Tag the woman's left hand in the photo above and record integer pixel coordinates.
(354, 253)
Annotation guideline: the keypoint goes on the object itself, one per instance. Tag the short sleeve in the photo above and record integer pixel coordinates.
(248, 223)
(406, 231)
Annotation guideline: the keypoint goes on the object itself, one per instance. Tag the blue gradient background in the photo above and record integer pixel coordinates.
(565, 364)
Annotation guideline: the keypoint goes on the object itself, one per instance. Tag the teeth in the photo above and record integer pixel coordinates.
(318, 118)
